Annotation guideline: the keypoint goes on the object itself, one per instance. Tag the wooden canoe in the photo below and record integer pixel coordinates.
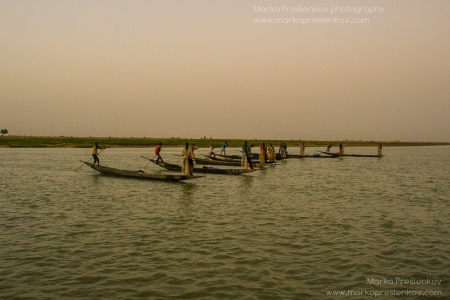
(316, 156)
(229, 159)
(234, 156)
(207, 161)
(215, 162)
(210, 170)
(138, 174)
(349, 155)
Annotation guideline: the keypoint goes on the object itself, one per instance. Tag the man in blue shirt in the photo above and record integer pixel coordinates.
(223, 148)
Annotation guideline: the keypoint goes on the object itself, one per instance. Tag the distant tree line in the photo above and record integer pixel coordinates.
(4, 131)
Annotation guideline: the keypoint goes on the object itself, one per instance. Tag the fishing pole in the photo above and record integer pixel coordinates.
(149, 160)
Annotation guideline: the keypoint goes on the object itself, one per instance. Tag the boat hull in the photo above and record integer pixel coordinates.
(235, 160)
(349, 155)
(316, 156)
(138, 174)
(207, 161)
(209, 170)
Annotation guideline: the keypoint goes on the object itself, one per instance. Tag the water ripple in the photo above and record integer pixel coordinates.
(292, 231)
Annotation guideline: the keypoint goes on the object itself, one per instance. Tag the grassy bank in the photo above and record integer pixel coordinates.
(86, 142)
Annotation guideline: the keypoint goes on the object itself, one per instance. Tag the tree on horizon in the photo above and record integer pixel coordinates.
(4, 131)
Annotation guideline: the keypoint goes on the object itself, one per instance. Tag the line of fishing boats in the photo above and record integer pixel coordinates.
(212, 164)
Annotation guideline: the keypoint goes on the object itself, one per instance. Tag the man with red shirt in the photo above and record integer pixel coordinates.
(157, 150)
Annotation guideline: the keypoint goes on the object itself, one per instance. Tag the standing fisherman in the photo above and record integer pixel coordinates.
(95, 153)
(262, 154)
(211, 151)
(341, 150)
(188, 163)
(247, 154)
(283, 150)
(271, 153)
(380, 150)
(224, 146)
(302, 149)
(157, 151)
(193, 153)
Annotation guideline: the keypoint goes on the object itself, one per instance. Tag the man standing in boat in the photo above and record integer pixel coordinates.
(328, 148)
(95, 153)
(380, 150)
(193, 153)
(223, 148)
(341, 150)
(157, 151)
(187, 166)
(262, 154)
(247, 153)
(283, 150)
(271, 155)
(302, 149)
(211, 151)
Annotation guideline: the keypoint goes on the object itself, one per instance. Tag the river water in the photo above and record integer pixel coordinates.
(302, 229)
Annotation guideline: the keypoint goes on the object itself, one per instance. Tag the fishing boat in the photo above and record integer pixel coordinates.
(210, 170)
(138, 174)
(207, 161)
(316, 156)
(234, 156)
(229, 159)
(349, 155)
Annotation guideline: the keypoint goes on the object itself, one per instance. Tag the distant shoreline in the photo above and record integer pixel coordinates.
(131, 142)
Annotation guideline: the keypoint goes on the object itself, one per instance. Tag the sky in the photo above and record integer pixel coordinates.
(322, 70)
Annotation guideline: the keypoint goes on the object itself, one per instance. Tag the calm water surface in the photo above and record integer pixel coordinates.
(297, 230)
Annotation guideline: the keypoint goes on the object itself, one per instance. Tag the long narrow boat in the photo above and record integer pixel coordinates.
(230, 159)
(207, 161)
(316, 156)
(233, 156)
(210, 170)
(302, 156)
(298, 155)
(210, 161)
(138, 174)
(350, 155)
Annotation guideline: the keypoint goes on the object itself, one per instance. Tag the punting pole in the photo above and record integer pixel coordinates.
(91, 157)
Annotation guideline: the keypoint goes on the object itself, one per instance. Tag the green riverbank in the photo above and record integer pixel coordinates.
(87, 142)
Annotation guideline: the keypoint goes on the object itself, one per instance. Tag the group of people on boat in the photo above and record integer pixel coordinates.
(340, 151)
(266, 154)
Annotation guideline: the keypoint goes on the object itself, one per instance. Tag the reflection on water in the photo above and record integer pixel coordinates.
(290, 231)
(188, 190)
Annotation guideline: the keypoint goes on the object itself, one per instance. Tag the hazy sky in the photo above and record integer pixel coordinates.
(207, 68)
